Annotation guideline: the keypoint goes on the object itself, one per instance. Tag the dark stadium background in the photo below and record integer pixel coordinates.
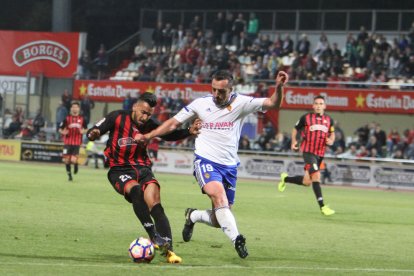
(110, 21)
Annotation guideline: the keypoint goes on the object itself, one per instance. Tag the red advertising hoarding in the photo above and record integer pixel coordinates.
(366, 100)
(52, 54)
(116, 91)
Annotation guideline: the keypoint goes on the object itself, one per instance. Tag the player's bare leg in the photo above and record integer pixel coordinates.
(225, 217)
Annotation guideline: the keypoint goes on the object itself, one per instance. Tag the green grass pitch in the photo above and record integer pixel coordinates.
(49, 226)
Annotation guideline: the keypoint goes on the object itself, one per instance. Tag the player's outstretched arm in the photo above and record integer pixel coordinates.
(165, 128)
(275, 101)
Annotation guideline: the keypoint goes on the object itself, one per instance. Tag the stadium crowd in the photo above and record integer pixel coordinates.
(368, 140)
(190, 54)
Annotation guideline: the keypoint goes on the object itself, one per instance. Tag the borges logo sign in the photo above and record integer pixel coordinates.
(42, 50)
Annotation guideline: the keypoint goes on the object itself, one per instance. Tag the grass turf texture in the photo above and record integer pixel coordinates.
(50, 226)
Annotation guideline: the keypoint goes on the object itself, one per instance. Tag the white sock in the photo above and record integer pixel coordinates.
(203, 216)
(227, 222)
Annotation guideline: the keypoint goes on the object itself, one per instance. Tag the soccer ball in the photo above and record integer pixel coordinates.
(141, 250)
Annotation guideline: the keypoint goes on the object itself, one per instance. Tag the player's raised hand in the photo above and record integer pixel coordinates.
(94, 134)
(195, 127)
(282, 78)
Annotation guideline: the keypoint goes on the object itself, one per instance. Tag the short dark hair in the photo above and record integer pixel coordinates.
(74, 103)
(223, 75)
(149, 98)
(319, 97)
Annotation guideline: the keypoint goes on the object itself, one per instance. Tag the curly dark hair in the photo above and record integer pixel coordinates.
(149, 98)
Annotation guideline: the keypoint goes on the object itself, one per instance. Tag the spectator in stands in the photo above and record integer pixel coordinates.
(38, 122)
(244, 143)
(362, 152)
(362, 35)
(85, 66)
(409, 152)
(351, 152)
(66, 99)
(287, 46)
(252, 27)
(363, 134)
(303, 46)
(13, 129)
(261, 141)
(101, 61)
(239, 25)
(140, 51)
(243, 44)
(393, 140)
(178, 39)
(380, 135)
(374, 153)
(373, 143)
(41, 136)
(321, 46)
(228, 29)
(1, 102)
(351, 53)
(86, 105)
(26, 131)
(157, 38)
(218, 29)
(61, 113)
(195, 25)
(398, 154)
(408, 68)
(167, 37)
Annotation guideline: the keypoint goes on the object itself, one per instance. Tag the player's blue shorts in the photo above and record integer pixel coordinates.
(206, 171)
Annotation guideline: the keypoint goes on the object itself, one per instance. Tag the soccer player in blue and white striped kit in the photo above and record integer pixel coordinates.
(215, 166)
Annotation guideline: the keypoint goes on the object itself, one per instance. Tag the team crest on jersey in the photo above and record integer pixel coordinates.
(207, 175)
(123, 142)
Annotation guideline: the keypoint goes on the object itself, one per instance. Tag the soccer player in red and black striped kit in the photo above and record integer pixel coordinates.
(72, 130)
(317, 131)
(130, 166)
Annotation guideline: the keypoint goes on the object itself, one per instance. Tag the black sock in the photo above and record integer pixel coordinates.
(318, 192)
(75, 171)
(141, 210)
(298, 179)
(161, 223)
(68, 168)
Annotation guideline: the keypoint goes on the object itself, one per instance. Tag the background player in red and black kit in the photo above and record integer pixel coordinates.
(72, 130)
(317, 131)
(130, 166)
